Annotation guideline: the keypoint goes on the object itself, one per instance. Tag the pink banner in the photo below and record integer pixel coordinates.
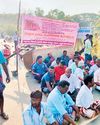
(44, 31)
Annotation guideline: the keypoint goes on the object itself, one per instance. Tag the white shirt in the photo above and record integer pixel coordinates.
(97, 77)
(73, 80)
(79, 73)
(84, 97)
(70, 63)
(93, 69)
(87, 47)
(54, 63)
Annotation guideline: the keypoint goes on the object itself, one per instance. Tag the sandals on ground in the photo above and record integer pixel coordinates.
(4, 116)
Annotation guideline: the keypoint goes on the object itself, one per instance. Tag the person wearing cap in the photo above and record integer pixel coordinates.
(59, 70)
(61, 104)
(47, 81)
(79, 72)
(94, 67)
(65, 57)
(39, 69)
(73, 81)
(36, 111)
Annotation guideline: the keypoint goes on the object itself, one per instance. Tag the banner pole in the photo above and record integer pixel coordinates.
(18, 32)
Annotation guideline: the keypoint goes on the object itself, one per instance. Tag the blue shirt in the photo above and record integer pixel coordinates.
(31, 117)
(58, 103)
(49, 78)
(65, 59)
(39, 68)
(2, 61)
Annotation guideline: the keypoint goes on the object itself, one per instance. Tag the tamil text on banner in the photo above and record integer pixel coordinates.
(44, 31)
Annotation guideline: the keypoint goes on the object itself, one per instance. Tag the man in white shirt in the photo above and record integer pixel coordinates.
(85, 100)
(74, 83)
(79, 72)
(94, 67)
(97, 79)
(87, 50)
(71, 60)
(74, 65)
(56, 62)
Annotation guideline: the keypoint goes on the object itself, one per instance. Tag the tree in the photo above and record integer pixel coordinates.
(39, 12)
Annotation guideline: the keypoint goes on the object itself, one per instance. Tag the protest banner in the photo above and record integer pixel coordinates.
(44, 31)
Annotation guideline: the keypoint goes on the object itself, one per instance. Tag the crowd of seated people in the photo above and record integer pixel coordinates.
(68, 81)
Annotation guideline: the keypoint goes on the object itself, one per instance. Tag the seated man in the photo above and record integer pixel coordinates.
(79, 72)
(65, 57)
(74, 65)
(97, 79)
(71, 60)
(73, 81)
(56, 62)
(59, 70)
(47, 81)
(49, 59)
(94, 67)
(36, 111)
(84, 99)
(61, 105)
(39, 69)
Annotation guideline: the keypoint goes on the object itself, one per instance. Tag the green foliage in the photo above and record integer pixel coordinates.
(39, 12)
(8, 22)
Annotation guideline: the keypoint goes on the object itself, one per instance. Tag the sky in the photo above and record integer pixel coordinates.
(70, 7)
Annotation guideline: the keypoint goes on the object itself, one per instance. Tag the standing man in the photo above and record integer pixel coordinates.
(87, 50)
(36, 111)
(2, 86)
(15, 39)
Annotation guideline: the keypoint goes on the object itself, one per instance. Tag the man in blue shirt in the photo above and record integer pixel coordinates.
(37, 110)
(39, 69)
(47, 81)
(2, 86)
(61, 105)
(65, 58)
